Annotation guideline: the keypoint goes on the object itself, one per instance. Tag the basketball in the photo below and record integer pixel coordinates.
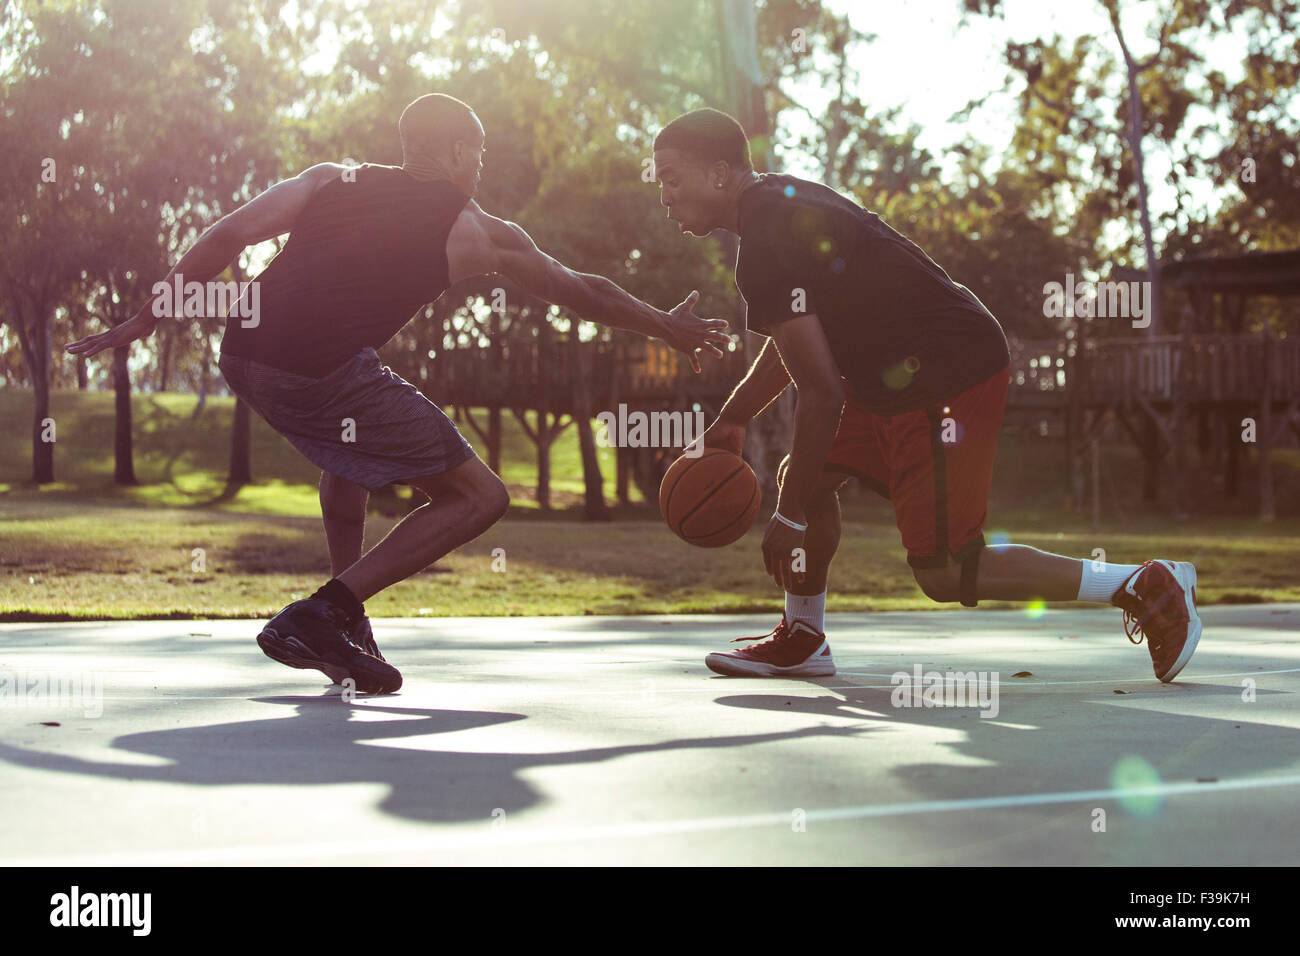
(710, 500)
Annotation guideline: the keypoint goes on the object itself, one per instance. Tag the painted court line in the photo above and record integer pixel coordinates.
(1026, 682)
(510, 835)
(647, 693)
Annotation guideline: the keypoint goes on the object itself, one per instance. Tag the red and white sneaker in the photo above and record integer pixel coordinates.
(789, 651)
(1159, 601)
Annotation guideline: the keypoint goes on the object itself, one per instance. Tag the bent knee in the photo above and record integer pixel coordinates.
(493, 499)
(941, 585)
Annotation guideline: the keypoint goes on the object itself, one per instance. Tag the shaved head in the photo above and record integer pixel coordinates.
(442, 139)
(432, 123)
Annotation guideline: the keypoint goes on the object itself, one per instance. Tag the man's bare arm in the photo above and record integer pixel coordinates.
(807, 354)
(481, 244)
(270, 214)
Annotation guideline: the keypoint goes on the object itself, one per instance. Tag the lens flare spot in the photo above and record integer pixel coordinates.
(912, 364)
(897, 377)
(1035, 609)
(789, 192)
(1134, 775)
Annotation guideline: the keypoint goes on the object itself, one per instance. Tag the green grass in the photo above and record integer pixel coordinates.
(61, 560)
(182, 453)
(86, 548)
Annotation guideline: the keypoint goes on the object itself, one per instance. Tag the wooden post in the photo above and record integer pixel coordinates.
(1180, 381)
(622, 470)
(1150, 456)
(1076, 373)
(1231, 426)
(1095, 446)
(1264, 431)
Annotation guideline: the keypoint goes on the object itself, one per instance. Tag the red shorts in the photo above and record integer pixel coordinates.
(935, 464)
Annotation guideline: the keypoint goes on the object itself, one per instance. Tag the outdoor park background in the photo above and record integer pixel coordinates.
(161, 117)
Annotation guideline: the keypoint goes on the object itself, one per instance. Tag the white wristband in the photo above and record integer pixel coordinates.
(788, 523)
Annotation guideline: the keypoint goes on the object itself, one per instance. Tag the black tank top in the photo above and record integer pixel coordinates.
(362, 258)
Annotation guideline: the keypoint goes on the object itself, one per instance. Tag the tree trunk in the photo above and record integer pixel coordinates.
(593, 481)
(205, 373)
(546, 360)
(123, 456)
(494, 439)
(42, 449)
(543, 461)
(240, 448)
(1139, 171)
(35, 347)
(241, 456)
(168, 336)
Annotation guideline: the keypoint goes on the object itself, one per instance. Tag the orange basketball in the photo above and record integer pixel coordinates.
(711, 500)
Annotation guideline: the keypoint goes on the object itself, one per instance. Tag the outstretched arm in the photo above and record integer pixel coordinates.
(481, 244)
(271, 214)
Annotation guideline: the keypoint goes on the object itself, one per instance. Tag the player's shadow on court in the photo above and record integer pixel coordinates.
(328, 742)
(1047, 739)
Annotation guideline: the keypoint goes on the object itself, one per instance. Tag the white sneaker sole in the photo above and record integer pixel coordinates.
(1184, 573)
(729, 666)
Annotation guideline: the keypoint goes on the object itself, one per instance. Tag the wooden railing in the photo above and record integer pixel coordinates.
(1201, 368)
(1208, 369)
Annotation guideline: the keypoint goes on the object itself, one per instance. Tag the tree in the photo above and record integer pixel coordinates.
(43, 238)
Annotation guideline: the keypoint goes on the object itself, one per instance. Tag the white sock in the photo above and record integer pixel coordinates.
(1098, 586)
(809, 608)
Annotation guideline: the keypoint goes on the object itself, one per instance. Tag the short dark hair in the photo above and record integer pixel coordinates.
(434, 121)
(709, 135)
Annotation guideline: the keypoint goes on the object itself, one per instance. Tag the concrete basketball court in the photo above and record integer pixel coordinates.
(607, 741)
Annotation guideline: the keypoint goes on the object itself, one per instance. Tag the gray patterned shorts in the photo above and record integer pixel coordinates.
(362, 421)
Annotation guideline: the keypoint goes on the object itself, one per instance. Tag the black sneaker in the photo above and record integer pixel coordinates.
(362, 636)
(311, 634)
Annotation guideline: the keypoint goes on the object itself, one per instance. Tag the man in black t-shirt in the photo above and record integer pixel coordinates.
(901, 376)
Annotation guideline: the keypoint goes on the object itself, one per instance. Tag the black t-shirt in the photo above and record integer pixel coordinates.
(363, 257)
(904, 334)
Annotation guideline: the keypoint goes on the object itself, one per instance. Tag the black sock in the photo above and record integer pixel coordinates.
(337, 593)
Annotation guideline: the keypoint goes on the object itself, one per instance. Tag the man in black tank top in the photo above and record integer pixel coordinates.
(368, 247)
(365, 253)
(901, 376)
